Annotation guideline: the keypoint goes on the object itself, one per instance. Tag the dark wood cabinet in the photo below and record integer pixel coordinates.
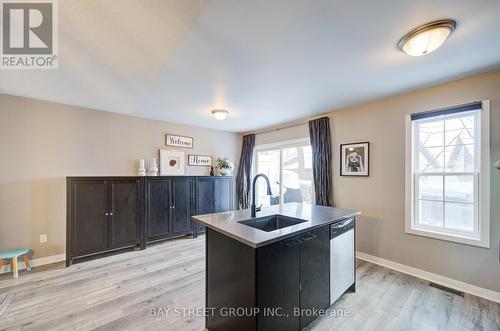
(314, 273)
(183, 206)
(104, 214)
(109, 214)
(169, 208)
(124, 212)
(214, 195)
(300, 265)
(158, 209)
(89, 216)
(223, 197)
(288, 281)
(278, 263)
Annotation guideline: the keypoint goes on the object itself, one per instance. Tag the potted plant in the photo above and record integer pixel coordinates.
(225, 166)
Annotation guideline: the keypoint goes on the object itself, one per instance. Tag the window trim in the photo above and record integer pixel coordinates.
(280, 145)
(483, 191)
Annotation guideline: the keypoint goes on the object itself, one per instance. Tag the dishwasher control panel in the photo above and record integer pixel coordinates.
(341, 227)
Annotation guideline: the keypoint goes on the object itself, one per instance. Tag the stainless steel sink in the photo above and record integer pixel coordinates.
(272, 222)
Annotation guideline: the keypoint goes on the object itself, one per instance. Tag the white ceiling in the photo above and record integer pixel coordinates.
(266, 61)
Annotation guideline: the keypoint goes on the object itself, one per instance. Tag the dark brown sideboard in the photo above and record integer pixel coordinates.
(108, 215)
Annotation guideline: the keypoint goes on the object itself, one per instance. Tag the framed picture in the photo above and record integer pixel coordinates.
(172, 163)
(199, 160)
(355, 159)
(178, 141)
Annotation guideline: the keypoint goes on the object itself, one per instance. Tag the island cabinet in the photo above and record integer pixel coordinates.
(273, 287)
(103, 215)
(214, 195)
(293, 274)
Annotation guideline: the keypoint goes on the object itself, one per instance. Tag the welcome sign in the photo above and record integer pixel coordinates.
(178, 141)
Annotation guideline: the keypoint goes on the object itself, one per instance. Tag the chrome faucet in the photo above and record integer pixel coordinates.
(253, 193)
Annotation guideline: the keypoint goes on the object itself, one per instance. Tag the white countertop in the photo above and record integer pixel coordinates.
(315, 216)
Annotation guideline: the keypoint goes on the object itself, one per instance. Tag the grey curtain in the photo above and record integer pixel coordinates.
(243, 179)
(319, 132)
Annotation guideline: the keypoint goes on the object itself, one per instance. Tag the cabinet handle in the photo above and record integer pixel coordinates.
(307, 237)
(293, 242)
(106, 214)
(173, 207)
(111, 214)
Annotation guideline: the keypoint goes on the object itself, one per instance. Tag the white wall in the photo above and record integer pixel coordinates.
(42, 142)
(381, 196)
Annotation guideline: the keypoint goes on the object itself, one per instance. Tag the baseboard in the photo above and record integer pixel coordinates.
(449, 282)
(34, 263)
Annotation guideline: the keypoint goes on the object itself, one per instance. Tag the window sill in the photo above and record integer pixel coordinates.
(485, 242)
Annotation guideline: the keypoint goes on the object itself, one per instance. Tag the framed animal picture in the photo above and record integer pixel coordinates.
(355, 159)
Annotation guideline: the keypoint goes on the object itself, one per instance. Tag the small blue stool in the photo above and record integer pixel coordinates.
(13, 255)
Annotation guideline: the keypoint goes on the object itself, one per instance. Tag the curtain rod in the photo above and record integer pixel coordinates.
(278, 129)
(286, 126)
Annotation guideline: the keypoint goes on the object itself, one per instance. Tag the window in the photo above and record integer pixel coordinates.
(289, 168)
(447, 170)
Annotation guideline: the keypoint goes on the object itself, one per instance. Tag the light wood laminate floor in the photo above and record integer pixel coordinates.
(118, 292)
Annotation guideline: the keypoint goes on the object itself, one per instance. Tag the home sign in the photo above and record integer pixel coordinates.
(199, 160)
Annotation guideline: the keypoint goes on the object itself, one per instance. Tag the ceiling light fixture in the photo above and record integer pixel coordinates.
(220, 114)
(427, 38)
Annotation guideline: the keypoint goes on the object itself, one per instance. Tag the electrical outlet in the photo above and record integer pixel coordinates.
(43, 238)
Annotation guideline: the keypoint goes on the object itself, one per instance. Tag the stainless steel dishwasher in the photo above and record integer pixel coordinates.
(342, 260)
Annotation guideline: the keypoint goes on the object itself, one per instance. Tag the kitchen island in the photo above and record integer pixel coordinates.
(275, 271)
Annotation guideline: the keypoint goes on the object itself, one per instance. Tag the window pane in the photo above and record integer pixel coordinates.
(460, 158)
(430, 187)
(459, 189)
(297, 175)
(268, 163)
(431, 133)
(460, 131)
(430, 213)
(459, 216)
(431, 159)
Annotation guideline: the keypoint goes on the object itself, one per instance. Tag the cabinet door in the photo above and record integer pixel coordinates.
(314, 272)
(158, 209)
(124, 212)
(278, 284)
(181, 205)
(205, 198)
(223, 195)
(89, 208)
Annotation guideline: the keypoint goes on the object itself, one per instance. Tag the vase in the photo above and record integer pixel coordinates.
(225, 172)
(142, 169)
(153, 170)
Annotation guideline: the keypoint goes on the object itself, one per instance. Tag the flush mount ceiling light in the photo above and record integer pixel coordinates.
(220, 114)
(426, 38)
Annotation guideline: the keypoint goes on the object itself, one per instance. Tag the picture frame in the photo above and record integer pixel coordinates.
(355, 159)
(172, 163)
(174, 140)
(199, 160)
